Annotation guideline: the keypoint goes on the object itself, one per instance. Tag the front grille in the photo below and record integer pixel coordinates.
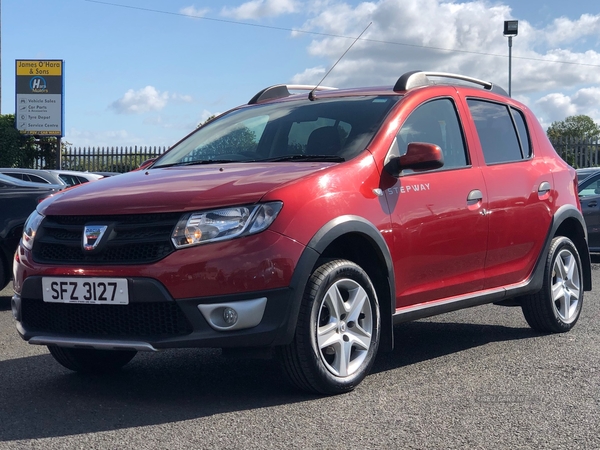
(134, 239)
(149, 319)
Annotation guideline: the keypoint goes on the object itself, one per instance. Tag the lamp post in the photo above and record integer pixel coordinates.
(511, 28)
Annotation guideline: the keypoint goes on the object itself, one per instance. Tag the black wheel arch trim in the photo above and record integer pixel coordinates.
(323, 238)
(571, 212)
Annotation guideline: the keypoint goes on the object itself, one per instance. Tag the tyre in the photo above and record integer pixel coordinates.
(86, 360)
(337, 333)
(557, 306)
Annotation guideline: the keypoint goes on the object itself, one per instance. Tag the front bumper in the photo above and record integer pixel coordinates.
(154, 320)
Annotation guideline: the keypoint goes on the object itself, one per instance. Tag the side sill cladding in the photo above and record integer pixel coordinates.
(323, 245)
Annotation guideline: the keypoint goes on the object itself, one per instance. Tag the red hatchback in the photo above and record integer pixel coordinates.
(311, 224)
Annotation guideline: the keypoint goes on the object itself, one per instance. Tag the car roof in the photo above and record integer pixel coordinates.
(583, 174)
(7, 179)
(47, 175)
(79, 173)
(407, 82)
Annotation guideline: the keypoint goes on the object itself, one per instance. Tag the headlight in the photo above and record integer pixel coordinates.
(222, 224)
(30, 229)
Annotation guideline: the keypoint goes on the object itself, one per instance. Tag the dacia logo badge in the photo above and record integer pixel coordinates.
(92, 235)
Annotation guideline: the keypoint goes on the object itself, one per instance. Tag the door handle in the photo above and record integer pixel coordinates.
(475, 196)
(593, 203)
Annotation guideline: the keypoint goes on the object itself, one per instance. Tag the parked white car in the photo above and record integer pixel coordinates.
(73, 177)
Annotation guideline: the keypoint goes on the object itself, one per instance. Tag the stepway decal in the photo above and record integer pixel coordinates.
(408, 188)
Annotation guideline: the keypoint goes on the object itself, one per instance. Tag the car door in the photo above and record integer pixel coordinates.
(519, 188)
(589, 196)
(439, 231)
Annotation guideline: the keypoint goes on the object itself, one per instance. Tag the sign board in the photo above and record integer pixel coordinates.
(39, 97)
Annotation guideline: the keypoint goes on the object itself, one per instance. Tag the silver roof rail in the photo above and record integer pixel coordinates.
(283, 90)
(419, 78)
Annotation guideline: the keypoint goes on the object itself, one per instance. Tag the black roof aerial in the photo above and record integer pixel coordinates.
(419, 78)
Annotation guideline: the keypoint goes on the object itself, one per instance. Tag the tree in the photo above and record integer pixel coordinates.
(10, 141)
(206, 121)
(17, 150)
(237, 141)
(574, 127)
(570, 138)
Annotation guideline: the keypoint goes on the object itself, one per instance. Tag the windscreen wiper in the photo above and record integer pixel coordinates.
(301, 157)
(197, 162)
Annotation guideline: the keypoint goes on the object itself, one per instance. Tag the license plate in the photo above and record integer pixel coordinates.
(96, 291)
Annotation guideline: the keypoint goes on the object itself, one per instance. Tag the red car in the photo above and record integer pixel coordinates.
(311, 225)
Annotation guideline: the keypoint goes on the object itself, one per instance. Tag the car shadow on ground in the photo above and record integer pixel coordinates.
(5, 296)
(4, 303)
(179, 385)
(415, 342)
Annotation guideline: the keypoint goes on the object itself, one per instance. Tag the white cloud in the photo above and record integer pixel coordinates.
(192, 11)
(183, 98)
(558, 106)
(205, 115)
(184, 123)
(141, 101)
(99, 139)
(555, 106)
(313, 73)
(257, 9)
(564, 30)
(453, 37)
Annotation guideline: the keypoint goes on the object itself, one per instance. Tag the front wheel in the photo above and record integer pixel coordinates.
(86, 360)
(337, 333)
(557, 306)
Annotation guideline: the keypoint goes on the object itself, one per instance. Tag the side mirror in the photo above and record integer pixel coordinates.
(420, 156)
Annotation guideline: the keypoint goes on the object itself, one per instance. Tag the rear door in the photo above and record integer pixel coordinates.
(519, 187)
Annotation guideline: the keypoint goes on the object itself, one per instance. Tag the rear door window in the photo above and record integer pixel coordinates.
(502, 131)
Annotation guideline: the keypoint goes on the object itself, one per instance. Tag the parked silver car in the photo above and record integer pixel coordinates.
(64, 178)
(35, 176)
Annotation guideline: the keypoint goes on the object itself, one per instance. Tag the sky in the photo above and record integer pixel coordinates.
(147, 72)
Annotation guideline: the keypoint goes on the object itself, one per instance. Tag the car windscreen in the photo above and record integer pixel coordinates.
(335, 129)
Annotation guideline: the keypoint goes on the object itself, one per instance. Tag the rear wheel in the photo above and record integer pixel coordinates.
(86, 360)
(337, 334)
(557, 306)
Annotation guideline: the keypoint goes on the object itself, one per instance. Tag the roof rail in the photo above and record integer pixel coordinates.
(283, 90)
(419, 78)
